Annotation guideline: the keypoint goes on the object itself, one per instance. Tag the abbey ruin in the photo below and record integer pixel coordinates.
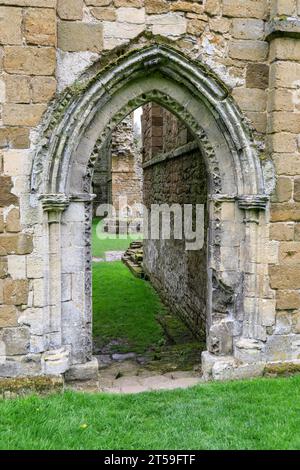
(218, 82)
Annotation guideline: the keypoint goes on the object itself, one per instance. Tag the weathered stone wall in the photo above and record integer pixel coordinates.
(118, 173)
(253, 47)
(180, 276)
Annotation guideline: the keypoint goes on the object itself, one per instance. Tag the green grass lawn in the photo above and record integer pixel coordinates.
(258, 414)
(124, 307)
(111, 243)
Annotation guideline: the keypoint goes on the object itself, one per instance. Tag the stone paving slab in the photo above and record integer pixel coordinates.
(138, 384)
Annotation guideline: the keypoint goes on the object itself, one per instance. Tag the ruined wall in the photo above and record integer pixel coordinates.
(118, 173)
(253, 47)
(180, 276)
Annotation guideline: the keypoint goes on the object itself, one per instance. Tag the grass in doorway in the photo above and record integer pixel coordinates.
(125, 308)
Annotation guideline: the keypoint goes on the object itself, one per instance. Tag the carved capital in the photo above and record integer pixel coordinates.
(54, 202)
(255, 202)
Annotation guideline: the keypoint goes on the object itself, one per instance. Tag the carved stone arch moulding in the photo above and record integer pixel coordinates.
(71, 117)
(63, 168)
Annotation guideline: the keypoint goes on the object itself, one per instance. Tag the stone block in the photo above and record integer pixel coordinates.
(55, 362)
(74, 37)
(21, 366)
(16, 266)
(284, 74)
(224, 371)
(170, 24)
(282, 231)
(23, 114)
(289, 253)
(101, 3)
(248, 28)
(208, 360)
(195, 27)
(17, 89)
(285, 49)
(285, 277)
(31, 3)
(297, 232)
(296, 322)
(6, 196)
(131, 15)
(297, 189)
(66, 288)
(123, 31)
(70, 9)
(257, 76)
(267, 311)
(30, 60)
(281, 100)
(248, 350)
(285, 163)
(189, 7)
(245, 8)
(12, 222)
(248, 50)
(220, 338)
(14, 138)
(3, 267)
(40, 26)
(283, 8)
(284, 122)
(43, 89)
(10, 25)
(16, 291)
(34, 319)
(104, 14)
(16, 340)
(87, 371)
(156, 7)
(285, 212)
(8, 316)
(278, 348)
(283, 190)
(35, 266)
(283, 324)
(250, 99)
(16, 162)
(212, 7)
(38, 292)
(219, 25)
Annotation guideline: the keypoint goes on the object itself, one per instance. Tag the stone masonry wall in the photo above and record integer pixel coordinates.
(180, 276)
(118, 170)
(252, 46)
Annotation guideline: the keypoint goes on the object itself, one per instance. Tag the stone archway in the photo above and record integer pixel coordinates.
(61, 182)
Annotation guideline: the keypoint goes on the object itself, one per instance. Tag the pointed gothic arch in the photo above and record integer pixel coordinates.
(61, 180)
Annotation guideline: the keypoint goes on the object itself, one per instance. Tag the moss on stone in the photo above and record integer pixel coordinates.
(26, 385)
(282, 368)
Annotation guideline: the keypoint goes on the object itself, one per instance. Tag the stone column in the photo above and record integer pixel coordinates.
(54, 205)
(255, 268)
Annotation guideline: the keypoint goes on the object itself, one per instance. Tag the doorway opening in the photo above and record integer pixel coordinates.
(149, 287)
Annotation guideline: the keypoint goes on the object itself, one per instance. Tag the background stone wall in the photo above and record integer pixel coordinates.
(118, 171)
(180, 276)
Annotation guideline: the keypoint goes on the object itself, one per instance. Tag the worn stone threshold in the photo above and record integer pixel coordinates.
(137, 383)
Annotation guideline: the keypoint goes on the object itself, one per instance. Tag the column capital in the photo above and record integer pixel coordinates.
(255, 202)
(54, 202)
